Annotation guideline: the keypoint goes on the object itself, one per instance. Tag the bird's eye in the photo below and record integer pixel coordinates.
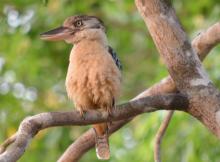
(78, 23)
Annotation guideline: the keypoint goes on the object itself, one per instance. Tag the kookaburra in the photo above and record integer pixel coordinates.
(93, 78)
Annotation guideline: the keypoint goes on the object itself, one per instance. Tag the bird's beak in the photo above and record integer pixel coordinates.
(57, 34)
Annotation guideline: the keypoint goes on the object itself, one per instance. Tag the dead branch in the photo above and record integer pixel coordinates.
(165, 86)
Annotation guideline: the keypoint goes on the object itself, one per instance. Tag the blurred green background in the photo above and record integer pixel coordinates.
(32, 76)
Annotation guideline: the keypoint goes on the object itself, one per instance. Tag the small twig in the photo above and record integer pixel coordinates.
(159, 136)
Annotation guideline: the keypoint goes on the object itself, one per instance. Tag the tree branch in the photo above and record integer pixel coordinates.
(202, 44)
(211, 39)
(182, 62)
(172, 43)
(32, 125)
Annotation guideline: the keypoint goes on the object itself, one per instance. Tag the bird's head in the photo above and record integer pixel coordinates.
(77, 28)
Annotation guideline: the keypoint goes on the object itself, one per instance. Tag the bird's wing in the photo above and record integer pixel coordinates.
(115, 58)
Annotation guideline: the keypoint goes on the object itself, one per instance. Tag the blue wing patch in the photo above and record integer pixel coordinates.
(115, 58)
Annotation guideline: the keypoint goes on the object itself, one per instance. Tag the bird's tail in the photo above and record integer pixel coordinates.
(101, 141)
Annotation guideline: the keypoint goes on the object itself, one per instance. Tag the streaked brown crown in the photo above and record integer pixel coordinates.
(74, 19)
(81, 22)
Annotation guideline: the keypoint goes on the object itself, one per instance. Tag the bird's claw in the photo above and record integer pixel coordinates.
(82, 114)
(110, 112)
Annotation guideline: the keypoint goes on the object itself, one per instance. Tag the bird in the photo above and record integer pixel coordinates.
(93, 80)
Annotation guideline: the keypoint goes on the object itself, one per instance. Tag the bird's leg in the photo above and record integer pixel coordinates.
(109, 112)
(111, 108)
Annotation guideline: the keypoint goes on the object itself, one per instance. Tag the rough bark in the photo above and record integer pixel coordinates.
(202, 45)
(182, 62)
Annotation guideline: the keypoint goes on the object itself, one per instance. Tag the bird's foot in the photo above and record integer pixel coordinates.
(110, 112)
(109, 124)
(82, 114)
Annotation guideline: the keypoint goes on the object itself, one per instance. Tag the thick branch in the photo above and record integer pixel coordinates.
(32, 125)
(182, 62)
(201, 46)
(171, 41)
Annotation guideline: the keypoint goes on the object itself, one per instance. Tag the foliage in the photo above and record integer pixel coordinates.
(32, 75)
